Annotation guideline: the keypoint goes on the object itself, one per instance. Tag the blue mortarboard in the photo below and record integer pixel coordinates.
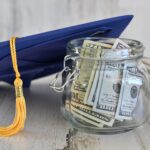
(42, 54)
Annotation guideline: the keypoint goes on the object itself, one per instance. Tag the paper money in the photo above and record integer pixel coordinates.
(105, 94)
(129, 93)
(90, 95)
(119, 44)
(96, 92)
(93, 91)
(95, 65)
(106, 53)
(108, 89)
(87, 68)
(86, 119)
(86, 111)
(78, 115)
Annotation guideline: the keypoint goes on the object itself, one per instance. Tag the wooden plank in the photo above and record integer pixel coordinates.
(45, 127)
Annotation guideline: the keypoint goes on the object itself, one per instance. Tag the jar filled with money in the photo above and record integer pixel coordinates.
(105, 85)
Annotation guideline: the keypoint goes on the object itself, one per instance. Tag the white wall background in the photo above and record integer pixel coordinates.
(25, 17)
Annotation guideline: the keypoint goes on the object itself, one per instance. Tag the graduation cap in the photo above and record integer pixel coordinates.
(42, 54)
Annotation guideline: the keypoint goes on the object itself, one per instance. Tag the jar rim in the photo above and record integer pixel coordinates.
(136, 46)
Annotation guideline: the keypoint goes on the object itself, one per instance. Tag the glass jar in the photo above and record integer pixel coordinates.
(105, 91)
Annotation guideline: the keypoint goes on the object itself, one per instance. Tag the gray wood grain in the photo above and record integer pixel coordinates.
(46, 128)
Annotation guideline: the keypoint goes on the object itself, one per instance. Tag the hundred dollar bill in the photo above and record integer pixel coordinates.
(129, 93)
(119, 49)
(108, 89)
(107, 53)
(86, 111)
(82, 83)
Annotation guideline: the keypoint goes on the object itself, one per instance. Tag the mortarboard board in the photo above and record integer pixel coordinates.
(42, 54)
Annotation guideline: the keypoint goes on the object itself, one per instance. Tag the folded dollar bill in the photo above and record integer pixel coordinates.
(105, 91)
(84, 118)
(82, 83)
(129, 94)
(119, 44)
(108, 89)
(87, 112)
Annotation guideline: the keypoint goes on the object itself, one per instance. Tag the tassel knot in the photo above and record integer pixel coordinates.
(20, 115)
(18, 82)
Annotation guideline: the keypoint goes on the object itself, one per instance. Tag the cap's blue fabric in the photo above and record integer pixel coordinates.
(42, 54)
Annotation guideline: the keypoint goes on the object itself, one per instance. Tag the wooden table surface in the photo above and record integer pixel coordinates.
(46, 129)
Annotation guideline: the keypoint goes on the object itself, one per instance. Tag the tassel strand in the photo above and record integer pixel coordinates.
(20, 114)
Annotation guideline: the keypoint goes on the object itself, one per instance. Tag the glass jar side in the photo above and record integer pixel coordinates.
(124, 89)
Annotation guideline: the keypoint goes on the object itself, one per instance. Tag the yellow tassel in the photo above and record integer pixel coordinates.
(20, 114)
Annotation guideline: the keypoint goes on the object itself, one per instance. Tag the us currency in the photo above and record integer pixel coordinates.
(92, 95)
(95, 63)
(119, 49)
(83, 83)
(129, 93)
(87, 119)
(87, 112)
(122, 49)
(106, 53)
(89, 96)
(108, 89)
(119, 44)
